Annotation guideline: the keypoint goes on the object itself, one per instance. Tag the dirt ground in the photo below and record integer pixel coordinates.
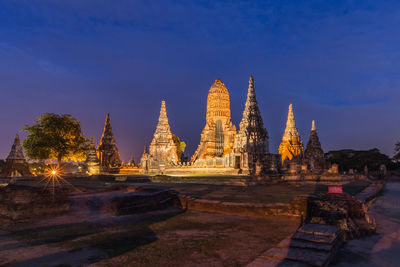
(163, 238)
(169, 237)
(282, 193)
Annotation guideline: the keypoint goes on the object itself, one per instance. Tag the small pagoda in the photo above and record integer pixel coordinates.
(107, 149)
(314, 153)
(291, 147)
(16, 164)
(92, 161)
(251, 141)
(162, 152)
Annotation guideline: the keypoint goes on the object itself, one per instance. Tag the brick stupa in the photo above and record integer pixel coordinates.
(291, 147)
(16, 164)
(251, 141)
(314, 153)
(162, 151)
(108, 151)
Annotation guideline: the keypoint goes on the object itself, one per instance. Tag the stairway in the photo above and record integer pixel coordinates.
(310, 245)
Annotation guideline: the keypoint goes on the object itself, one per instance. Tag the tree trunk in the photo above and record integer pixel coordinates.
(59, 158)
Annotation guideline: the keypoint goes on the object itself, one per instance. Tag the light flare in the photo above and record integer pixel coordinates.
(53, 178)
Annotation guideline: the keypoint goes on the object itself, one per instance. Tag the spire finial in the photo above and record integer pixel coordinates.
(250, 91)
(291, 130)
(251, 80)
(290, 120)
(163, 111)
(313, 127)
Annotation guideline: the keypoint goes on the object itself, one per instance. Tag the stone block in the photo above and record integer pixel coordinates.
(311, 257)
(295, 243)
(266, 262)
(314, 238)
(320, 229)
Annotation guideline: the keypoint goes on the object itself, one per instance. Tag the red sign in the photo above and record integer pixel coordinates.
(335, 189)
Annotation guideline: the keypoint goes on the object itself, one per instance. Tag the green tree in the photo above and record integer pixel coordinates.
(180, 146)
(397, 151)
(54, 136)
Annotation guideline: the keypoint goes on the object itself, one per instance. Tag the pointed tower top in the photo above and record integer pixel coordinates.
(16, 139)
(291, 130)
(250, 90)
(313, 127)
(218, 84)
(290, 120)
(163, 130)
(163, 111)
(252, 124)
(108, 120)
(16, 152)
(107, 137)
(218, 80)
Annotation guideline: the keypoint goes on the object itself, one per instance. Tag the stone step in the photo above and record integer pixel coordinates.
(267, 262)
(297, 243)
(308, 256)
(314, 238)
(319, 229)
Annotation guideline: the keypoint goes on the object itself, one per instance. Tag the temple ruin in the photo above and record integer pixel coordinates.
(314, 153)
(291, 147)
(162, 152)
(16, 164)
(223, 150)
(251, 142)
(107, 149)
(92, 161)
(218, 136)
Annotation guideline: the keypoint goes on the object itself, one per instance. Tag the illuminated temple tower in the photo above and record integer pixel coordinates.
(162, 151)
(314, 153)
(291, 148)
(108, 151)
(251, 142)
(218, 135)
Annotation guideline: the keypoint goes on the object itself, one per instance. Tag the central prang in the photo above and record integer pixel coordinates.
(218, 136)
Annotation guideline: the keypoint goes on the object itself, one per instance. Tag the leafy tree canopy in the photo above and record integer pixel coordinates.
(358, 159)
(54, 136)
(180, 146)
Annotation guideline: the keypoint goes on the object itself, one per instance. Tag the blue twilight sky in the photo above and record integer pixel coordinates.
(338, 62)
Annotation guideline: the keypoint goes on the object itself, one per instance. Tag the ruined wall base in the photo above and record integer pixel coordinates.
(192, 170)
